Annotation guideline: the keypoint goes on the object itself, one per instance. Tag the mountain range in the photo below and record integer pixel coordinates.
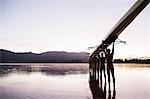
(46, 57)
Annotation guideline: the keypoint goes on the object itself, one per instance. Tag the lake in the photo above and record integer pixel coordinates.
(70, 81)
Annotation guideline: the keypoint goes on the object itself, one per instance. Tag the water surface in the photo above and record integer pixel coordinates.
(69, 81)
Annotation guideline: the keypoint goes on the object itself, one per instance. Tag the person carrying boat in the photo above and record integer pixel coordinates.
(110, 67)
(102, 63)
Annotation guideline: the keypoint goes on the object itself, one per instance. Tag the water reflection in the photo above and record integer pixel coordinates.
(5, 70)
(99, 91)
(46, 81)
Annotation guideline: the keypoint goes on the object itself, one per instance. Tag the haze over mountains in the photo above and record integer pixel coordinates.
(52, 56)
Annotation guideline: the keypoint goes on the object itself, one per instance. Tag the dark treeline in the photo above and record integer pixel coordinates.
(135, 60)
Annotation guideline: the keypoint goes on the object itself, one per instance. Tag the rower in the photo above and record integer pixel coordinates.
(110, 67)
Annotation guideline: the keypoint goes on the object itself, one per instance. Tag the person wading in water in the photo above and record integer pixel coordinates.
(110, 67)
(102, 66)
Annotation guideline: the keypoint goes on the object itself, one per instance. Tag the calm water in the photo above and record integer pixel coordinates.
(70, 81)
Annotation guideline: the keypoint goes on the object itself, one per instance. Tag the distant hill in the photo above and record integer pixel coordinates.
(53, 56)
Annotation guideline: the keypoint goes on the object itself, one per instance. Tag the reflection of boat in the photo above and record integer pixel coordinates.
(98, 91)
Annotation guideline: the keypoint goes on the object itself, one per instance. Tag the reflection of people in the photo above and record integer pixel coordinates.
(113, 94)
(98, 92)
(110, 67)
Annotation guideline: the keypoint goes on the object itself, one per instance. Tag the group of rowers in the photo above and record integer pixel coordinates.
(98, 64)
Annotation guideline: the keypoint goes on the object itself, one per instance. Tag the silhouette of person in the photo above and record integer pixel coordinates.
(102, 68)
(110, 67)
(97, 66)
(91, 66)
(94, 66)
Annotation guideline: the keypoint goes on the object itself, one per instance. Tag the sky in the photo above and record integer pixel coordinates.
(71, 25)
